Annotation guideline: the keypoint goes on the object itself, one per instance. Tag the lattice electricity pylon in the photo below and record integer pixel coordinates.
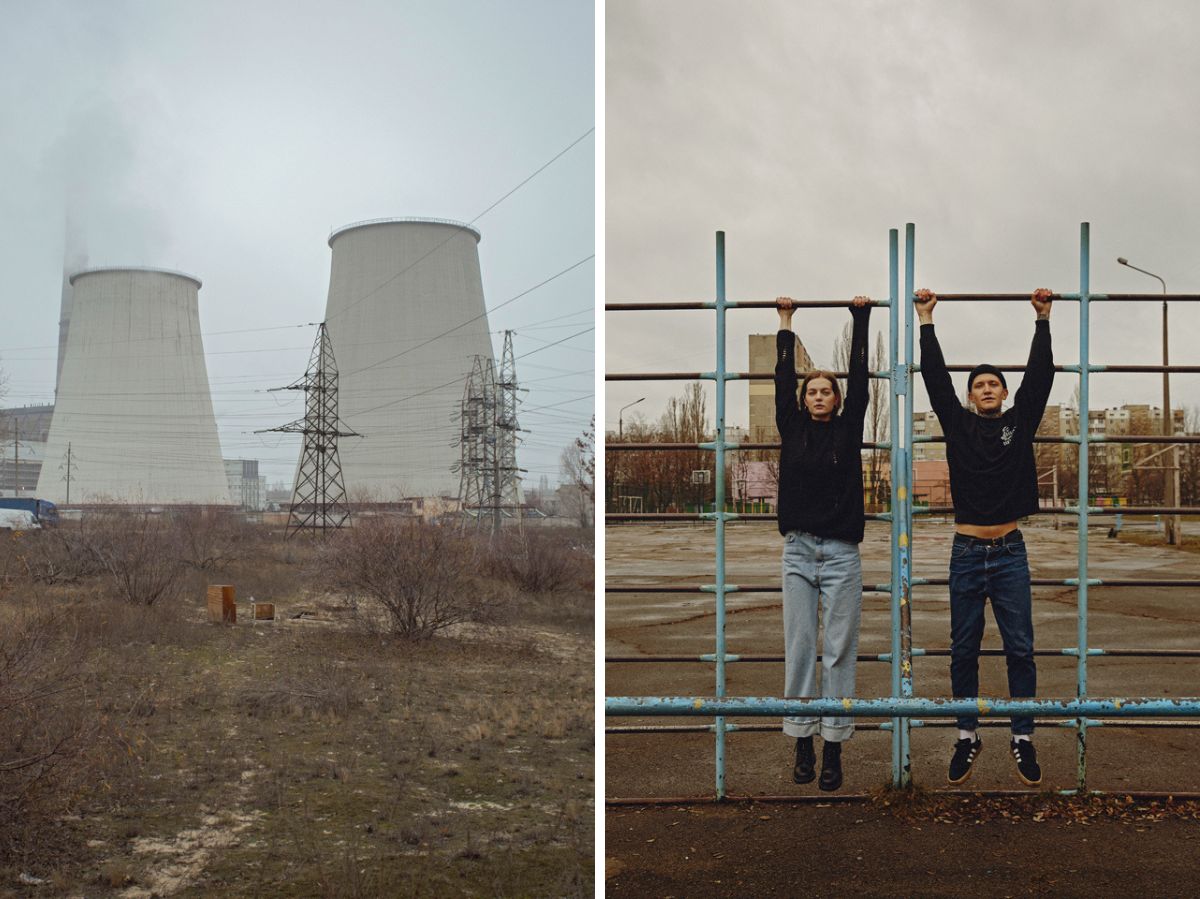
(508, 474)
(319, 495)
(478, 491)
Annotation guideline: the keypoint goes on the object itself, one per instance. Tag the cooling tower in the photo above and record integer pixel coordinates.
(406, 319)
(133, 405)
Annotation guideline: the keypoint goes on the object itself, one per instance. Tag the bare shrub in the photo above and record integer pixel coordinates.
(211, 539)
(541, 560)
(43, 728)
(58, 555)
(139, 552)
(423, 576)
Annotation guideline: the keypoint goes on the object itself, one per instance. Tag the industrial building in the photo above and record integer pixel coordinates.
(406, 318)
(133, 419)
(247, 488)
(23, 433)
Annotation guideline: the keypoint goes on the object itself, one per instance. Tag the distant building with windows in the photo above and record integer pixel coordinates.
(247, 489)
(23, 433)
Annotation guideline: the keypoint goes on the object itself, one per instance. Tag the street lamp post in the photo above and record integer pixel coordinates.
(1170, 484)
(620, 425)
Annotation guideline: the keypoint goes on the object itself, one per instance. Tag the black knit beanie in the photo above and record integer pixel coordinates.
(985, 369)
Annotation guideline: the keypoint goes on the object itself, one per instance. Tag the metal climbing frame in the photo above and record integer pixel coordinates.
(902, 708)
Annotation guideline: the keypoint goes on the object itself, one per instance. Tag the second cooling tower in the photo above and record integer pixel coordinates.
(406, 318)
(133, 419)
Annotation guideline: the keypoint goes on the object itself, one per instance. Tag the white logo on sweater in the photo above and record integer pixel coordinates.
(1006, 435)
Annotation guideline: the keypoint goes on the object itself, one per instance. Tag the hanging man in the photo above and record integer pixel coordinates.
(993, 482)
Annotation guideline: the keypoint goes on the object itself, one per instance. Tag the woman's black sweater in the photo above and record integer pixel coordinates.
(820, 462)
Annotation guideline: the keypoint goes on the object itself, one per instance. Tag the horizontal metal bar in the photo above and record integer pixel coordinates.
(883, 376)
(1069, 297)
(710, 376)
(883, 516)
(899, 707)
(1105, 368)
(867, 726)
(916, 582)
(730, 728)
(932, 438)
(1091, 510)
(685, 305)
(1145, 369)
(1074, 438)
(665, 306)
(678, 447)
(855, 798)
(931, 653)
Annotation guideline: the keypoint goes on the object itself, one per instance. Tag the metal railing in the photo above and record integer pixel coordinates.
(903, 710)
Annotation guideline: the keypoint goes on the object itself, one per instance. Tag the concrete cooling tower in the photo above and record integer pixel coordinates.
(406, 319)
(133, 404)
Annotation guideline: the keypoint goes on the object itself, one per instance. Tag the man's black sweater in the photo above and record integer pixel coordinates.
(993, 479)
(820, 462)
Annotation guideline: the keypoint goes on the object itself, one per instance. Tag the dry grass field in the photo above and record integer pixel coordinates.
(147, 752)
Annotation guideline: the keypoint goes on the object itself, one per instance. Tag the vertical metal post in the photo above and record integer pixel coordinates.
(898, 385)
(1081, 644)
(905, 542)
(719, 512)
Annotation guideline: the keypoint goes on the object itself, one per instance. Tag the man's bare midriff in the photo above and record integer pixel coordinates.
(985, 531)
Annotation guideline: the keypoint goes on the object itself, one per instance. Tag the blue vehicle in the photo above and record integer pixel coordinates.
(44, 511)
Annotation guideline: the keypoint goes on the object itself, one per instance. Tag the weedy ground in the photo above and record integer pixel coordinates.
(309, 756)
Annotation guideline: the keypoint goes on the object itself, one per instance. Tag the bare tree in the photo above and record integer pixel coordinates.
(1189, 460)
(139, 552)
(578, 465)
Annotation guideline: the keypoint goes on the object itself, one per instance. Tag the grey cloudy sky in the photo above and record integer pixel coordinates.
(806, 130)
(227, 139)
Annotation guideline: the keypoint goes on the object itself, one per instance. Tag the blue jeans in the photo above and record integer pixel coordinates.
(979, 572)
(819, 571)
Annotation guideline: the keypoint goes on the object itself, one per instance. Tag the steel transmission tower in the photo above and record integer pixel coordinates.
(478, 490)
(508, 474)
(319, 495)
(490, 481)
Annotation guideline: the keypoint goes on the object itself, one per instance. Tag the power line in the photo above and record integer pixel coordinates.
(426, 255)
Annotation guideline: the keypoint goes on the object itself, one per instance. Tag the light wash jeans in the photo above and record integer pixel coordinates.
(828, 572)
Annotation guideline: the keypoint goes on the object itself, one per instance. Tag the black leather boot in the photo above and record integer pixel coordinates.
(831, 766)
(806, 761)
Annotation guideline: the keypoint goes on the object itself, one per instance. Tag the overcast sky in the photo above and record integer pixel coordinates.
(806, 130)
(228, 139)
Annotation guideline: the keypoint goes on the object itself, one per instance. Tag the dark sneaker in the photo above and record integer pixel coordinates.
(1028, 768)
(806, 761)
(831, 766)
(965, 753)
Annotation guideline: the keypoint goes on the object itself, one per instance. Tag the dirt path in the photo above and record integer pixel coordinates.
(869, 850)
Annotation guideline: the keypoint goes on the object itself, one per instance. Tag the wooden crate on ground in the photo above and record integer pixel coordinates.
(264, 611)
(222, 605)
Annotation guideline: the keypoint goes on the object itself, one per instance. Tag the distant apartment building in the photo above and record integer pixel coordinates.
(762, 392)
(926, 424)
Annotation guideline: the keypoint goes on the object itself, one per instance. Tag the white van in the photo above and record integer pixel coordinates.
(18, 520)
